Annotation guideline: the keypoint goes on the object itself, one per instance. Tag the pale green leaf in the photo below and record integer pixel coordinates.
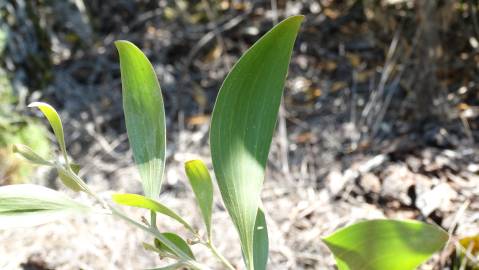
(177, 241)
(55, 122)
(385, 244)
(30, 205)
(139, 201)
(150, 247)
(261, 242)
(243, 122)
(200, 181)
(31, 156)
(69, 178)
(144, 116)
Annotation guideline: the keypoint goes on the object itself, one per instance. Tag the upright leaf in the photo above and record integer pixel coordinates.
(202, 186)
(243, 122)
(55, 122)
(385, 244)
(144, 116)
(139, 201)
(261, 242)
(31, 205)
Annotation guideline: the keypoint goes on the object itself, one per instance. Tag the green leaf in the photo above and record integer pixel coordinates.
(136, 200)
(55, 122)
(177, 241)
(31, 205)
(261, 242)
(243, 122)
(385, 244)
(31, 156)
(144, 116)
(69, 178)
(200, 181)
(150, 247)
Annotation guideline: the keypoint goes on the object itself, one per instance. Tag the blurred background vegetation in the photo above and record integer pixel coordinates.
(377, 90)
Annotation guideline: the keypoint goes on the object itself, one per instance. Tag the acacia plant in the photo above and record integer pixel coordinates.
(242, 126)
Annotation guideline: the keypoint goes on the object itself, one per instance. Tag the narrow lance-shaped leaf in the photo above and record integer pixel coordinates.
(30, 155)
(144, 116)
(30, 205)
(385, 244)
(65, 173)
(136, 200)
(202, 186)
(261, 241)
(243, 122)
(56, 124)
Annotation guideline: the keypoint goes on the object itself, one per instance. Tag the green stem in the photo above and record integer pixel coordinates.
(152, 229)
(153, 219)
(218, 255)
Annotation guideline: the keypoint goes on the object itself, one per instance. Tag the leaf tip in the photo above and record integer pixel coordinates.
(125, 45)
(192, 163)
(38, 104)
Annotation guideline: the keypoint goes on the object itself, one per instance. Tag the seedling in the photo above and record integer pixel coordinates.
(242, 127)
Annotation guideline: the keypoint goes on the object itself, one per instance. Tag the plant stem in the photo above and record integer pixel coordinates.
(153, 229)
(153, 219)
(218, 255)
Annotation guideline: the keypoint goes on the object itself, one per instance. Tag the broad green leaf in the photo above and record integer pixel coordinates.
(261, 242)
(144, 116)
(202, 186)
(55, 122)
(243, 122)
(136, 200)
(30, 205)
(385, 244)
(177, 241)
(31, 156)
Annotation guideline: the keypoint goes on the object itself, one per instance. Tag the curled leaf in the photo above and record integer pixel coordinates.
(55, 122)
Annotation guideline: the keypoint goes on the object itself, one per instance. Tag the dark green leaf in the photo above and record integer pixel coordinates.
(177, 241)
(144, 116)
(202, 186)
(243, 123)
(385, 244)
(261, 242)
